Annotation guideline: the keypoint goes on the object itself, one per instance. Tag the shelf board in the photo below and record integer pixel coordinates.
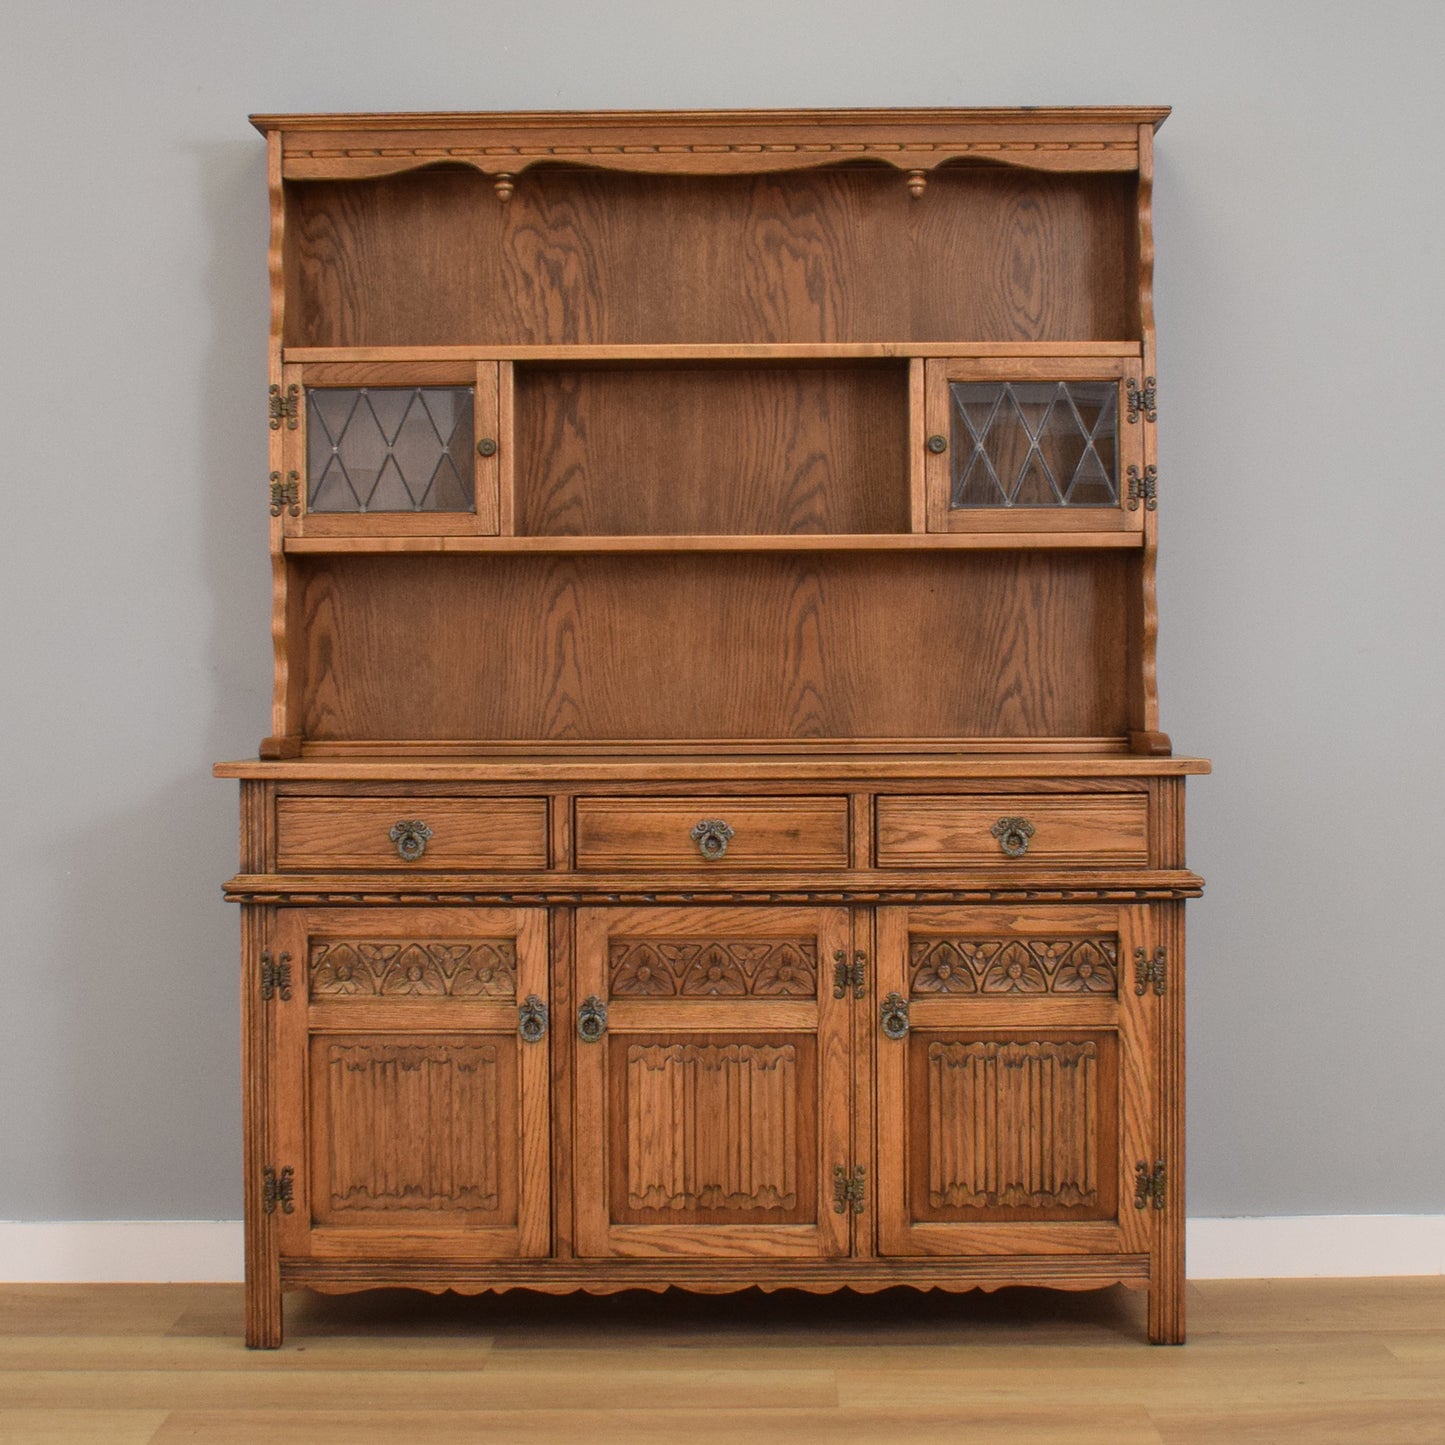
(803, 542)
(711, 351)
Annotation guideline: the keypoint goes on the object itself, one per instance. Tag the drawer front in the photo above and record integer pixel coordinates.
(420, 833)
(712, 833)
(1108, 830)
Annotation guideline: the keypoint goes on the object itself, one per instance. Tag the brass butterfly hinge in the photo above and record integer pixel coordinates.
(1149, 970)
(276, 976)
(286, 496)
(848, 1190)
(1149, 1184)
(850, 975)
(1141, 400)
(276, 1188)
(284, 407)
(1143, 489)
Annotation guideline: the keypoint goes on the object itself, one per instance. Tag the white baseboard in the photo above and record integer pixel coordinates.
(122, 1251)
(209, 1251)
(1338, 1246)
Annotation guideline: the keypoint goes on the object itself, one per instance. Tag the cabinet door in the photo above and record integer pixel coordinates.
(389, 449)
(1014, 1063)
(713, 1100)
(1042, 444)
(409, 1102)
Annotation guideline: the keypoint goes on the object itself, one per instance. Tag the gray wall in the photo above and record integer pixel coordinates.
(1299, 210)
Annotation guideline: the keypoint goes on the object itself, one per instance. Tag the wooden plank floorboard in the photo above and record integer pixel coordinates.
(1273, 1362)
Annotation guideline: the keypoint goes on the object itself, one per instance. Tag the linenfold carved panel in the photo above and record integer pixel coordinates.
(411, 1126)
(482, 968)
(713, 967)
(1013, 965)
(1013, 1124)
(712, 1126)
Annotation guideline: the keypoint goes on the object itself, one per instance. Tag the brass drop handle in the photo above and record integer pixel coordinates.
(1013, 835)
(711, 836)
(591, 1019)
(893, 1016)
(410, 837)
(532, 1020)
(937, 444)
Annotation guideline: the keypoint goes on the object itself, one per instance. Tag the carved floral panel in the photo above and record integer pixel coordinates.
(951, 966)
(713, 968)
(482, 968)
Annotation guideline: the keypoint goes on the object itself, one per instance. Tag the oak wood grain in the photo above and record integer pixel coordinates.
(657, 833)
(714, 646)
(725, 451)
(339, 833)
(431, 259)
(709, 574)
(1079, 831)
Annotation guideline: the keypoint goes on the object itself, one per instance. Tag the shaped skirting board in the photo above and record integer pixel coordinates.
(193, 1251)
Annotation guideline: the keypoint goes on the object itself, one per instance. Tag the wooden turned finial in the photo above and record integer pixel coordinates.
(505, 183)
(917, 180)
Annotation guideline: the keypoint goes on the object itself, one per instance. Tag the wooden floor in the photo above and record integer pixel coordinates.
(1268, 1361)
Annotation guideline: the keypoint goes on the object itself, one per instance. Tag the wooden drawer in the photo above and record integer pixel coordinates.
(758, 833)
(464, 833)
(1100, 830)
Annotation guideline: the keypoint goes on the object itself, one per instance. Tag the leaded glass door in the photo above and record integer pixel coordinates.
(1037, 444)
(388, 449)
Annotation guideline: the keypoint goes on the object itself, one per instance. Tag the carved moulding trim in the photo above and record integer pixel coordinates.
(707, 157)
(303, 891)
(470, 1276)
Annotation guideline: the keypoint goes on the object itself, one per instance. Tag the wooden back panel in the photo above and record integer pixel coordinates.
(712, 645)
(725, 450)
(433, 258)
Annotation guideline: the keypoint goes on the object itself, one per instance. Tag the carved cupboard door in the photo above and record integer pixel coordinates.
(411, 1082)
(1015, 1068)
(712, 1082)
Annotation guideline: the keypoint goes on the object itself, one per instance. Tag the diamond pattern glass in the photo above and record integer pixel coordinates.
(1034, 444)
(389, 449)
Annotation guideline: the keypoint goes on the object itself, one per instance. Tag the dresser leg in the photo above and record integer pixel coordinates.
(263, 1306)
(1166, 1298)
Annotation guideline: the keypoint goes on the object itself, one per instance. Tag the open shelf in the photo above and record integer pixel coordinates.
(841, 254)
(755, 542)
(717, 351)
